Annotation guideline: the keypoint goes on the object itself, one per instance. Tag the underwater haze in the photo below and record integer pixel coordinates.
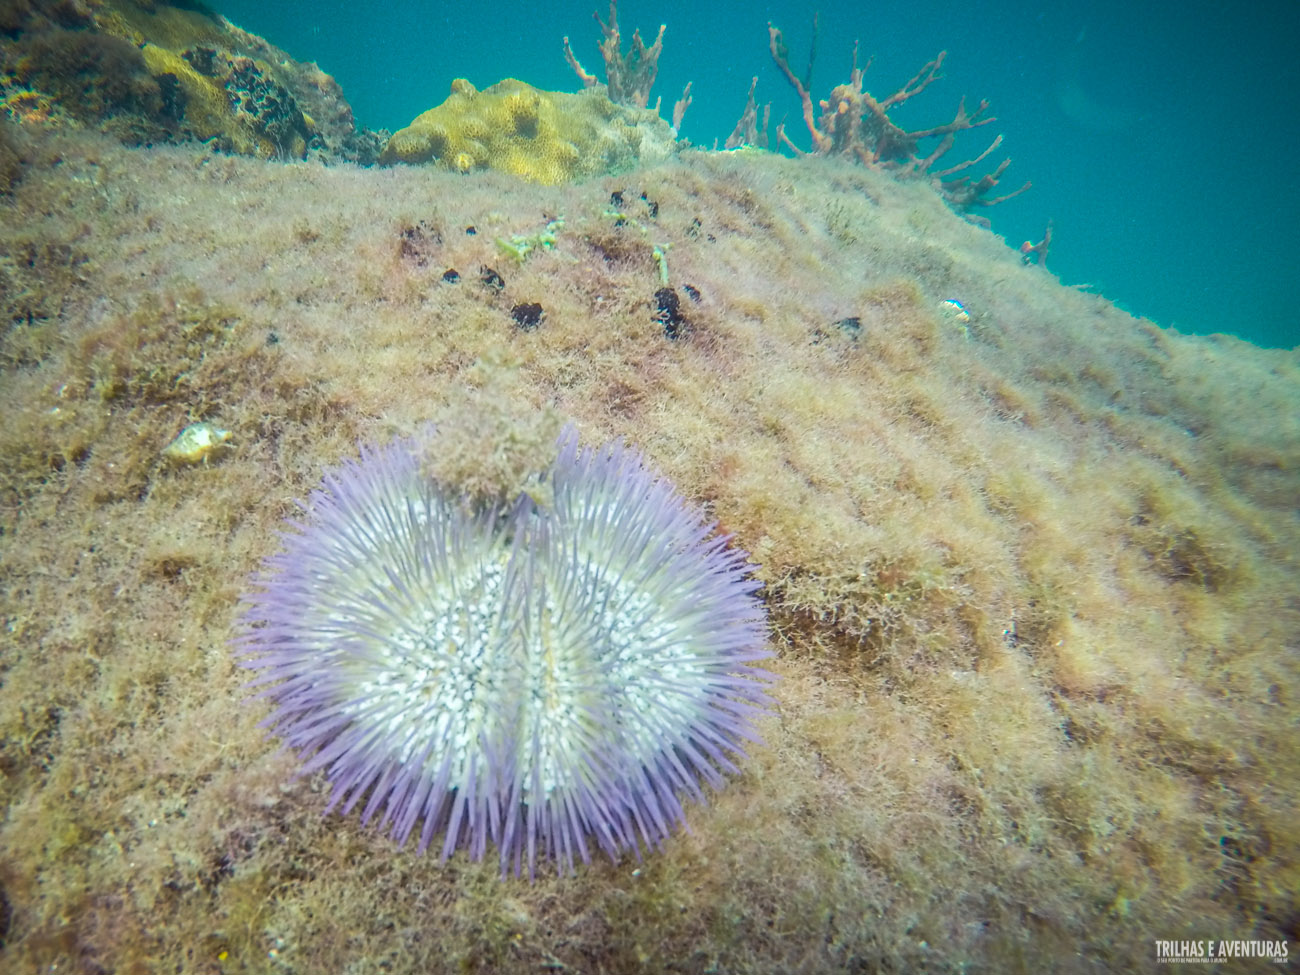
(1161, 137)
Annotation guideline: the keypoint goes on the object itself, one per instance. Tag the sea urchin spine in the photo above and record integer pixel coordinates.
(539, 678)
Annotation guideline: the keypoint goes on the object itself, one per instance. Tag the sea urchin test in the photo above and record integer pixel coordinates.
(547, 679)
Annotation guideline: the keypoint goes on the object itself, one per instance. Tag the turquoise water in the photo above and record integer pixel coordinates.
(1161, 138)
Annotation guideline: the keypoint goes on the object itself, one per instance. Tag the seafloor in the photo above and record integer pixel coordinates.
(1032, 578)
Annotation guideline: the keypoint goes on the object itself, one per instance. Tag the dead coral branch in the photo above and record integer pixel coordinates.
(1031, 253)
(780, 54)
(630, 76)
(747, 131)
(681, 105)
(853, 123)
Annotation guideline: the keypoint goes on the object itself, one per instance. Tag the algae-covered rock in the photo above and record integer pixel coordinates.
(234, 100)
(157, 72)
(542, 136)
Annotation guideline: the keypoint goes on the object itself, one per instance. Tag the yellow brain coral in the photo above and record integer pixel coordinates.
(543, 136)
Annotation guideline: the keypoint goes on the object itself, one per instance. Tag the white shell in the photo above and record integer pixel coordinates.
(195, 442)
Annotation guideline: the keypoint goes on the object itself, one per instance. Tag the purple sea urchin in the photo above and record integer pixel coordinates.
(538, 678)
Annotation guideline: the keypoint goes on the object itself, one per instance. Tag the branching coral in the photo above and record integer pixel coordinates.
(853, 123)
(1032, 253)
(747, 131)
(628, 77)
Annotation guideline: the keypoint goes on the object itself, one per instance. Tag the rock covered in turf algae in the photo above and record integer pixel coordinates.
(543, 136)
(157, 72)
(234, 101)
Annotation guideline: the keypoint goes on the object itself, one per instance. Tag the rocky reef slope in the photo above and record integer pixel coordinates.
(1030, 567)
